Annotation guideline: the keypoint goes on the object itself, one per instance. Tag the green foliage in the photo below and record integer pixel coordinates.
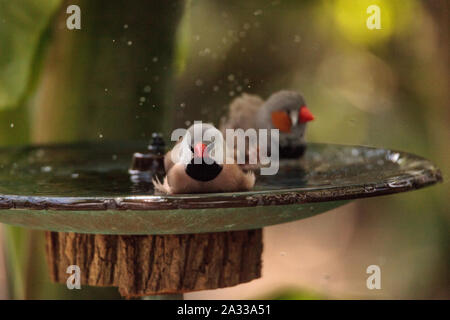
(16, 248)
(386, 88)
(295, 294)
(22, 23)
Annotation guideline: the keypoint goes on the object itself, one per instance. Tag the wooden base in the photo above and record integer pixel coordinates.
(157, 264)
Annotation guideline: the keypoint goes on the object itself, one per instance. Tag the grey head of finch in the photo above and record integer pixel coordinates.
(286, 111)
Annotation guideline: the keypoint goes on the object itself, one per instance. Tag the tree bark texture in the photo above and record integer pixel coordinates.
(157, 264)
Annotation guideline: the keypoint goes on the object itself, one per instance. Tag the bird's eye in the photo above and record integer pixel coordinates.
(282, 121)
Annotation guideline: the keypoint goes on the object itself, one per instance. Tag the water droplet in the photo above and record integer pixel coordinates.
(147, 89)
(369, 189)
(216, 88)
(125, 26)
(400, 184)
(11, 125)
(199, 82)
(231, 93)
(394, 157)
(114, 157)
(142, 99)
(231, 77)
(155, 59)
(129, 43)
(106, 89)
(100, 136)
(187, 123)
(75, 175)
(40, 153)
(46, 169)
(182, 105)
(258, 12)
(355, 152)
(204, 52)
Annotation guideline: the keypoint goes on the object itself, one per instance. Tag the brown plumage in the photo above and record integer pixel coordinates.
(242, 112)
(284, 110)
(182, 178)
(232, 178)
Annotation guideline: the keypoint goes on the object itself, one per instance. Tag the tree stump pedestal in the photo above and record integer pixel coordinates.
(143, 265)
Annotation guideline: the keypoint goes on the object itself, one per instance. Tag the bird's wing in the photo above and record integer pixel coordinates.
(241, 113)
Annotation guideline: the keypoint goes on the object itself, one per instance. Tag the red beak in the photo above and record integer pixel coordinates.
(305, 115)
(199, 150)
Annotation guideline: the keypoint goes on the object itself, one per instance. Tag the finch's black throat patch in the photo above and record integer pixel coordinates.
(203, 171)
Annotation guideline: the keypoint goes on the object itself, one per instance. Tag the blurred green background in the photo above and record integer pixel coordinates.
(145, 66)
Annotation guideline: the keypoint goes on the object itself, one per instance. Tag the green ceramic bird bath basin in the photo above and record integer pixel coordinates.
(86, 188)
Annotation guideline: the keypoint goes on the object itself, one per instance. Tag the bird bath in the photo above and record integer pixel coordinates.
(101, 219)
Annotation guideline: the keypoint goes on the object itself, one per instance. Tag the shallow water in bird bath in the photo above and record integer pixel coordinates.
(87, 188)
(101, 170)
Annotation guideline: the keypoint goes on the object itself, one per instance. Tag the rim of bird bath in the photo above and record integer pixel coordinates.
(86, 188)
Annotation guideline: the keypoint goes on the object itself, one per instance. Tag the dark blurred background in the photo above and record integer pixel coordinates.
(136, 67)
